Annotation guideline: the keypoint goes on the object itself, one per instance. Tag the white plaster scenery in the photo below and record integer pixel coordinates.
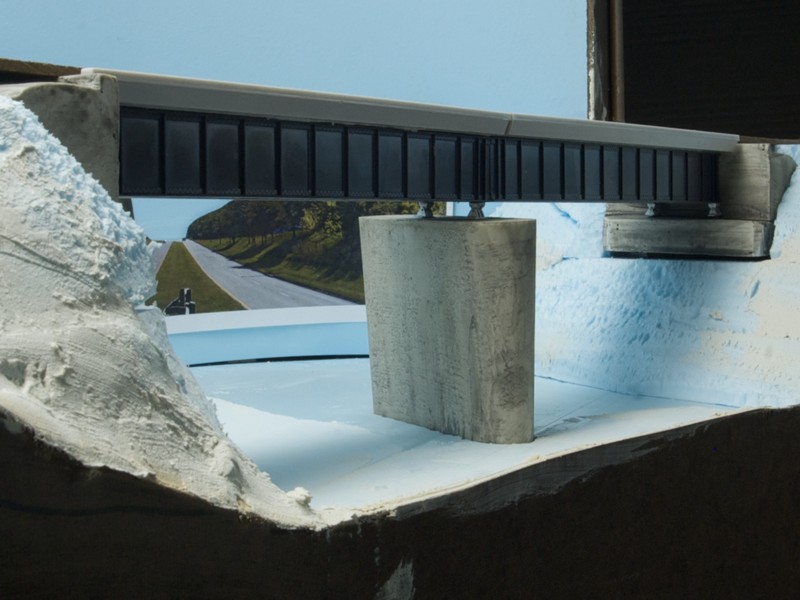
(89, 374)
(702, 330)
(450, 313)
(82, 363)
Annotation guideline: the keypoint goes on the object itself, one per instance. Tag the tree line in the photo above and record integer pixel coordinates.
(260, 220)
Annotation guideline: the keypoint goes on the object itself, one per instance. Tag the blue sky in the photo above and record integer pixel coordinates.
(168, 218)
(524, 56)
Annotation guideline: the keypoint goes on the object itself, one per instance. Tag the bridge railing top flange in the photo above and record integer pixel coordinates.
(162, 92)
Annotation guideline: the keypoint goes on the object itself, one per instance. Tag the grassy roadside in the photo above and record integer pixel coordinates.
(180, 270)
(298, 259)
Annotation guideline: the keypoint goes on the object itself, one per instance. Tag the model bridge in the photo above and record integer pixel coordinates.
(195, 138)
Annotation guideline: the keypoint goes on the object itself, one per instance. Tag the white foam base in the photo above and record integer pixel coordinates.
(311, 424)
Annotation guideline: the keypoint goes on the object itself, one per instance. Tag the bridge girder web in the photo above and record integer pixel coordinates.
(174, 154)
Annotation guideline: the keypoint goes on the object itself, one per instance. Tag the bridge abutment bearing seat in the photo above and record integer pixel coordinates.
(450, 316)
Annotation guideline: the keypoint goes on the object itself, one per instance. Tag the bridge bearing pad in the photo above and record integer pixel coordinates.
(450, 316)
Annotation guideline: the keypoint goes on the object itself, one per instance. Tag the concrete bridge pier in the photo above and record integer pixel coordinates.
(450, 316)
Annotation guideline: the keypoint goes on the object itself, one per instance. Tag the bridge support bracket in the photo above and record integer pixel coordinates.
(425, 209)
(450, 316)
(476, 210)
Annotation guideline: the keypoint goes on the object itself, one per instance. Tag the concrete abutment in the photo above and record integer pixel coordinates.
(82, 111)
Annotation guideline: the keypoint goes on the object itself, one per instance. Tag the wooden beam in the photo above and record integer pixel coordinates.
(20, 71)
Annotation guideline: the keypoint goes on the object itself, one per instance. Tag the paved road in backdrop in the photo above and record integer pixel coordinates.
(252, 288)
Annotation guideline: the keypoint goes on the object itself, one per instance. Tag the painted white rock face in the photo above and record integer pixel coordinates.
(714, 331)
(83, 364)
